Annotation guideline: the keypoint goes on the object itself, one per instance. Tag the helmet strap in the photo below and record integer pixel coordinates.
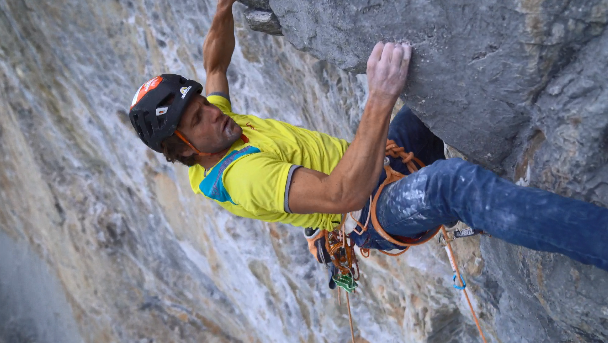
(196, 151)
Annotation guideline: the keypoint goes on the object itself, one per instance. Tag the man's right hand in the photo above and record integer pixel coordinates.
(351, 182)
(387, 70)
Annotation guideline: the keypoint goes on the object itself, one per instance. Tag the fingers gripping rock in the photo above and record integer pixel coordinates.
(387, 69)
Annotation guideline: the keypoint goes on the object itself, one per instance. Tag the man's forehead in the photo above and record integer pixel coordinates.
(194, 104)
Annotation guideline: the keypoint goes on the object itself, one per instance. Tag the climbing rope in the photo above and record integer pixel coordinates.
(341, 247)
(461, 284)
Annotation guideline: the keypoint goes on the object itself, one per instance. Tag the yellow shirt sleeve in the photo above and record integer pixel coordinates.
(258, 183)
(221, 102)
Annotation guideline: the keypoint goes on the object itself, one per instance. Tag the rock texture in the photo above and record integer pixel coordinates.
(516, 86)
(102, 241)
(496, 59)
(264, 21)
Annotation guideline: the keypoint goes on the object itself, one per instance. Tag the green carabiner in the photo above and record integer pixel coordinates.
(346, 282)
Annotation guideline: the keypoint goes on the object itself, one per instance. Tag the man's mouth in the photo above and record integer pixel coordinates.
(225, 124)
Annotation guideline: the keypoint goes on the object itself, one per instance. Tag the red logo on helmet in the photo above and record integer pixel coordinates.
(145, 88)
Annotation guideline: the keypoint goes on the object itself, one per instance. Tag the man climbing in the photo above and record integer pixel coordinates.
(273, 171)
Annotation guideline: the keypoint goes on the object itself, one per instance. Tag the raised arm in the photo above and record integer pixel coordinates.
(349, 185)
(218, 48)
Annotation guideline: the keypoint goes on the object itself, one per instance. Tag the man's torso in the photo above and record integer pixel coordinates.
(252, 180)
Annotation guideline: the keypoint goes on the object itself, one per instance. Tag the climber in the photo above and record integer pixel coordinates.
(272, 171)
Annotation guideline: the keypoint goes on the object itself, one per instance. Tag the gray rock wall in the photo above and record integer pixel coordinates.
(34, 307)
(126, 253)
(478, 69)
(517, 86)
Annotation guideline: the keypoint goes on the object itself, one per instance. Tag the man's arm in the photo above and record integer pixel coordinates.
(218, 48)
(349, 185)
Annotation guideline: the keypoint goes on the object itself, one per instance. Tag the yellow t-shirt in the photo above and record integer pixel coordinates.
(253, 179)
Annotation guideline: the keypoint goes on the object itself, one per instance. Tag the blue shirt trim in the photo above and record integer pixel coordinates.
(213, 186)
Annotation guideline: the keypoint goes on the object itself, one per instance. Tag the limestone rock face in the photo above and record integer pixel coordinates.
(101, 240)
(516, 86)
(257, 4)
(479, 68)
(264, 21)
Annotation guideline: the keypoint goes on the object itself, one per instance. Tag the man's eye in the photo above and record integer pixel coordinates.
(196, 119)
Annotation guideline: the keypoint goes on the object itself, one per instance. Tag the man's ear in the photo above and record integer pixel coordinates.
(187, 152)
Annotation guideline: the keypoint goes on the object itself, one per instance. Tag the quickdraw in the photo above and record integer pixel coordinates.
(342, 253)
(341, 247)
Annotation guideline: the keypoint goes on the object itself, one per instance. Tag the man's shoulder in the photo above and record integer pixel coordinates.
(221, 100)
(196, 174)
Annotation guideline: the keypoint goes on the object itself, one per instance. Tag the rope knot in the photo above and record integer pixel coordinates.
(395, 151)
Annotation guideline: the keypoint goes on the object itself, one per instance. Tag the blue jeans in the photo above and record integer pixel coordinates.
(449, 190)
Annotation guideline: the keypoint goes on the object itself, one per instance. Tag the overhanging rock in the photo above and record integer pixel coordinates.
(478, 67)
(517, 86)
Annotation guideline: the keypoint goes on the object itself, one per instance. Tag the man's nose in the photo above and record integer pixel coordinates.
(217, 115)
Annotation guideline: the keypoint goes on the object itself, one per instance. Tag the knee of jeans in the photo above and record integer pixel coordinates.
(442, 177)
(443, 169)
(452, 163)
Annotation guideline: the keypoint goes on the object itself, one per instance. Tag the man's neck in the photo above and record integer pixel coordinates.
(208, 162)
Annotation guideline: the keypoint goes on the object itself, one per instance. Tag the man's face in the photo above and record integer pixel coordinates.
(207, 128)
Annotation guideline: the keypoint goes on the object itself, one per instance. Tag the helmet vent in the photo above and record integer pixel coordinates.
(148, 125)
(135, 123)
(167, 101)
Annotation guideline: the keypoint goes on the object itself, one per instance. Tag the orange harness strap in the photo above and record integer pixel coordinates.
(343, 255)
(393, 150)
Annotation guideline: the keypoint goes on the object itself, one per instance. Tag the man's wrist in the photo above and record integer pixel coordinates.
(380, 103)
(225, 5)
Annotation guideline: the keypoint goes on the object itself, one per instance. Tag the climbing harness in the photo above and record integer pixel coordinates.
(341, 248)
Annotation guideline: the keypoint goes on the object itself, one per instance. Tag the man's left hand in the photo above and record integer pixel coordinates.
(316, 245)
